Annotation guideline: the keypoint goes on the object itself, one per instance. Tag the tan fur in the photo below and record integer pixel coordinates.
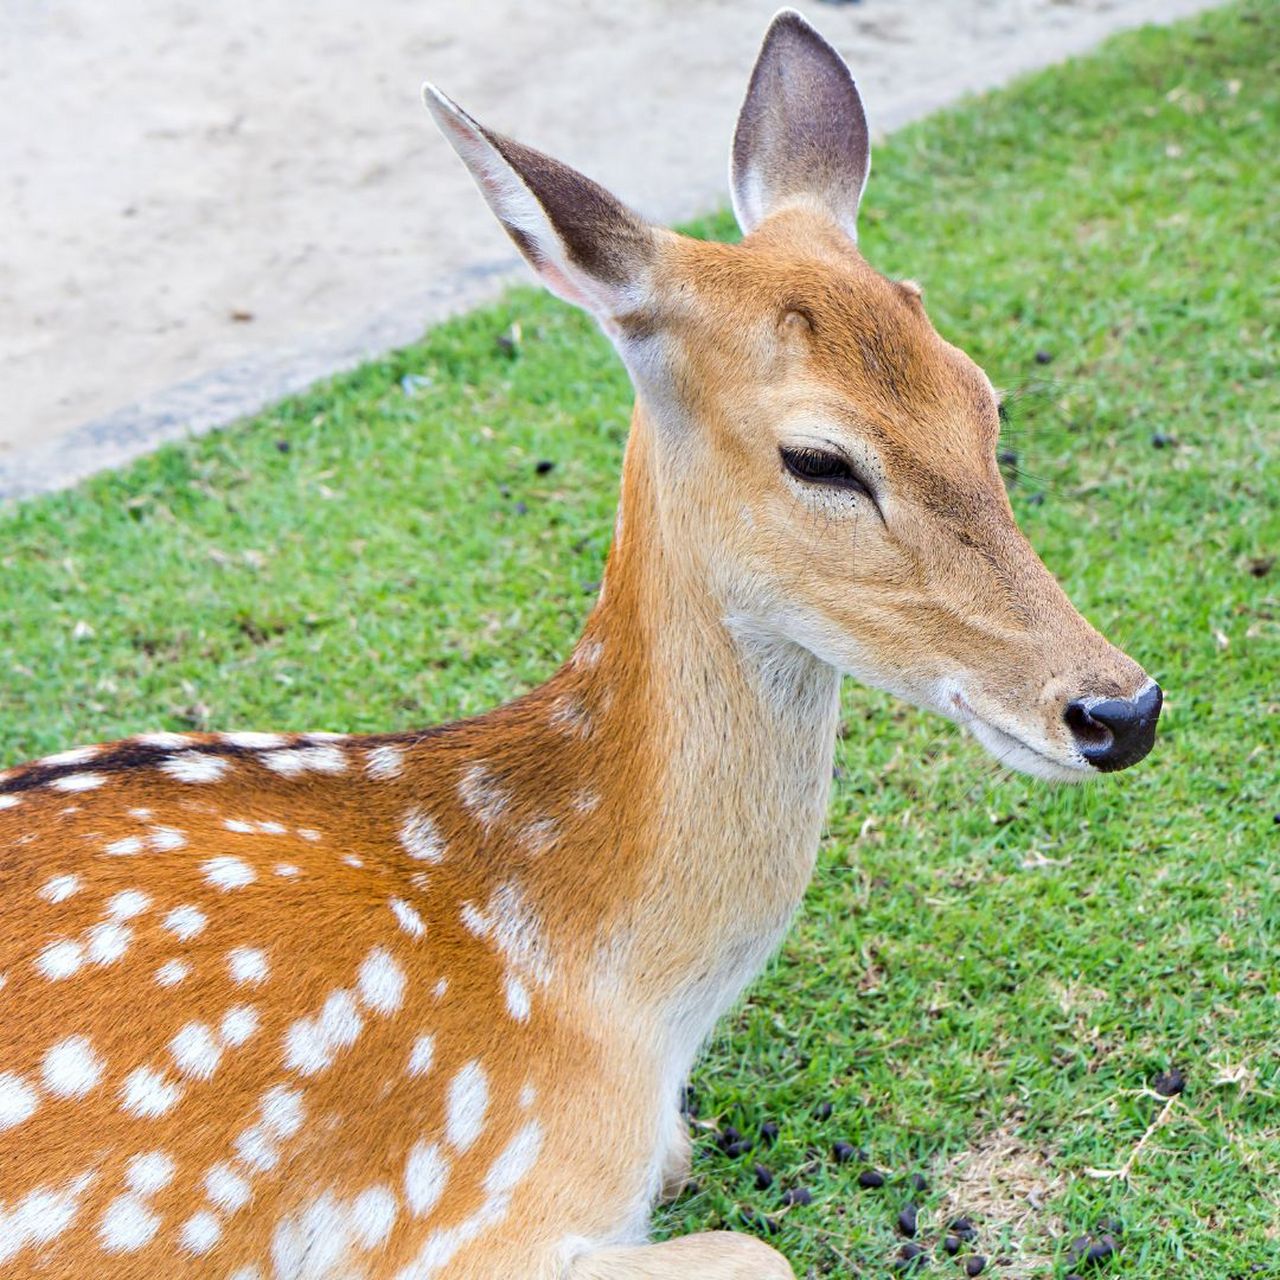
(422, 1005)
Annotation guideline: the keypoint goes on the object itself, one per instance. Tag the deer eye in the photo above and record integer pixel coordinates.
(817, 466)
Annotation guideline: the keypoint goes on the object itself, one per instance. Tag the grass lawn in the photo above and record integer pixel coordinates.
(989, 974)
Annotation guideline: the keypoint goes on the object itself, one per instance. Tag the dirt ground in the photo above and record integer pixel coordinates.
(203, 207)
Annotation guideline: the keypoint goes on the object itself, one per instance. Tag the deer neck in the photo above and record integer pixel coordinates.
(720, 747)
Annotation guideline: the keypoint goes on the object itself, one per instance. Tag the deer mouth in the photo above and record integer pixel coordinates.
(1014, 752)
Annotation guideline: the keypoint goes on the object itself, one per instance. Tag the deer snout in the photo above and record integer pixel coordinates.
(1113, 733)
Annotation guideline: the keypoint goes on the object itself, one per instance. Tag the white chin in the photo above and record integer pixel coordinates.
(1014, 754)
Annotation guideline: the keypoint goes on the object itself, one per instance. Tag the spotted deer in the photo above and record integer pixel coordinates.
(421, 1004)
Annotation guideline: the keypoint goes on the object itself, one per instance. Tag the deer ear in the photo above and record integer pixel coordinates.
(802, 133)
(586, 246)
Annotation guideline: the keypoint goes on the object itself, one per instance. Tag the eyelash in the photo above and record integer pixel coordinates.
(817, 466)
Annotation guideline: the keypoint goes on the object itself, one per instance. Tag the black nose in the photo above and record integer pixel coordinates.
(1115, 732)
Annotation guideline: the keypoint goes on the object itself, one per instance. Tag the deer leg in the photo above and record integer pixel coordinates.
(710, 1255)
(679, 1164)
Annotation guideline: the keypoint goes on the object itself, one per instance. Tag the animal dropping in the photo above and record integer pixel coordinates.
(282, 1006)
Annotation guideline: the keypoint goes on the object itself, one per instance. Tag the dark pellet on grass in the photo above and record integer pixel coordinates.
(871, 1178)
(727, 1136)
(963, 1228)
(800, 1196)
(951, 1246)
(522, 508)
(907, 1220)
(975, 1265)
(736, 1149)
(823, 1111)
(1112, 1225)
(544, 466)
(1044, 357)
(1169, 1083)
(764, 1177)
(919, 1182)
(283, 445)
(1007, 457)
(1101, 1250)
(769, 1133)
(843, 1152)
(911, 1258)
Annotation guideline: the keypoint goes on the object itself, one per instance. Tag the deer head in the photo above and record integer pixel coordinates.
(821, 457)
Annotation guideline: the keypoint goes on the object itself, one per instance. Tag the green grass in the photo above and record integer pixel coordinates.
(988, 972)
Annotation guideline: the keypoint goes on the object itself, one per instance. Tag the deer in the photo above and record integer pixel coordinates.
(311, 1006)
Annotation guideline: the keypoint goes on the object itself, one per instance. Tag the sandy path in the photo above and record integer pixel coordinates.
(203, 206)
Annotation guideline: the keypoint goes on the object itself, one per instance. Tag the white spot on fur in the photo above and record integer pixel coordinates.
(483, 795)
(172, 972)
(200, 1232)
(517, 933)
(382, 982)
(60, 959)
(517, 999)
(254, 741)
(127, 904)
(539, 835)
(425, 1173)
(18, 1101)
(247, 964)
(256, 1150)
(440, 988)
(586, 801)
(166, 839)
(238, 1024)
(228, 873)
(308, 834)
(408, 919)
(185, 922)
(125, 847)
(420, 838)
(169, 741)
(10, 802)
(78, 782)
(108, 941)
(149, 1172)
(195, 1051)
(588, 654)
(373, 1212)
(71, 1068)
(286, 869)
(146, 1093)
(60, 888)
(300, 760)
(466, 1103)
(77, 755)
(127, 1225)
(239, 827)
(282, 1111)
(310, 1043)
(352, 861)
(40, 1216)
(272, 828)
(196, 767)
(515, 1161)
(528, 1096)
(474, 920)
(570, 716)
(311, 1245)
(385, 762)
(422, 1055)
(226, 1188)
